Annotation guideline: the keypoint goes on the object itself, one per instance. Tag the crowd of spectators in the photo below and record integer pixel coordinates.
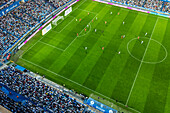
(16, 23)
(157, 5)
(41, 94)
(19, 21)
(166, 7)
(58, 3)
(18, 107)
(6, 41)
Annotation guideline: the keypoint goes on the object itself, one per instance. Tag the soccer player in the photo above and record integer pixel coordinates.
(76, 19)
(92, 20)
(80, 19)
(87, 25)
(119, 52)
(95, 30)
(141, 42)
(105, 22)
(85, 29)
(146, 33)
(103, 49)
(111, 13)
(123, 36)
(138, 37)
(85, 49)
(77, 34)
(118, 13)
(96, 18)
(123, 23)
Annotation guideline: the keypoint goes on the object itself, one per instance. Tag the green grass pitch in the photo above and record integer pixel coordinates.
(138, 77)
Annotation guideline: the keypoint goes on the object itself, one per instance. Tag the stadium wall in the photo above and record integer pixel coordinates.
(30, 33)
(10, 8)
(134, 7)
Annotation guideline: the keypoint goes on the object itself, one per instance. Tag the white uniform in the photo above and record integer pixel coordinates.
(123, 36)
(119, 52)
(87, 25)
(141, 42)
(76, 19)
(85, 48)
(96, 18)
(146, 34)
(95, 30)
(123, 23)
(111, 13)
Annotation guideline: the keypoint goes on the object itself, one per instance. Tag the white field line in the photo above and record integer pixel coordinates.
(53, 28)
(79, 33)
(64, 26)
(71, 12)
(79, 5)
(76, 83)
(87, 11)
(51, 45)
(140, 64)
(31, 47)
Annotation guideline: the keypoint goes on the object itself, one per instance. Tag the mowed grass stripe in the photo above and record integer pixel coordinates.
(99, 6)
(89, 42)
(101, 18)
(130, 65)
(62, 24)
(164, 66)
(42, 53)
(75, 29)
(158, 35)
(145, 82)
(110, 77)
(140, 90)
(73, 33)
(62, 40)
(62, 60)
(97, 72)
(167, 108)
(159, 83)
(87, 64)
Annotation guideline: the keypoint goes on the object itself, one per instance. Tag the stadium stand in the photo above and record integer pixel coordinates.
(58, 3)
(14, 25)
(19, 21)
(20, 92)
(6, 41)
(157, 5)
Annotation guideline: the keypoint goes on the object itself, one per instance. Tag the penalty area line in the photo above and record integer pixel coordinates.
(77, 83)
(30, 48)
(51, 45)
(64, 26)
(87, 11)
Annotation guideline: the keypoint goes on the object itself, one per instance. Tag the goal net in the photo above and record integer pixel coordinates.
(54, 22)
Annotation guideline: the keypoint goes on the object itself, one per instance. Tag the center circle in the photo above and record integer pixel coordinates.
(142, 44)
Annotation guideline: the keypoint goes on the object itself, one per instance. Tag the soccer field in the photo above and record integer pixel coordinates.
(138, 77)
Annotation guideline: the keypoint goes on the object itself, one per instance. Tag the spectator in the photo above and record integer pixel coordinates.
(38, 92)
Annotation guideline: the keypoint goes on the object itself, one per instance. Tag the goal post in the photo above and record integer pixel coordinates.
(54, 22)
